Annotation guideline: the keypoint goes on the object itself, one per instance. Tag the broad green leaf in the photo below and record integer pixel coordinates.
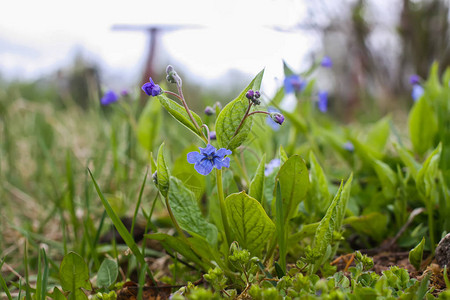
(163, 172)
(388, 178)
(179, 113)
(231, 115)
(149, 124)
(256, 189)
(426, 177)
(294, 182)
(74, 273)
(187, 213)
(319, 196)
(422, 125)
(179, 245)
(416, 254)
(373, 224)
(107, 273)
(283, 154)
(78, 295)
(408, 159)
(251, 226)
(183, 171)
(378, 135)
(57, 294)
(324, 232)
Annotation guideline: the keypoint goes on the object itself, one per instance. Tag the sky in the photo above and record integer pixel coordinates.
(38, 37)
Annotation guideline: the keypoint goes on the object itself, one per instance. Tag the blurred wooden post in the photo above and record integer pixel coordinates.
(153, 31)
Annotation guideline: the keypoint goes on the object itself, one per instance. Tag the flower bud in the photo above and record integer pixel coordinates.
(257, 94)
(155, 178)
(277, 117)
(209, 111)
(250, 94)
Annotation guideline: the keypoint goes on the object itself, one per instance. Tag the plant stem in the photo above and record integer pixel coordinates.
(241, 169)
(243, 119)
(226, 226)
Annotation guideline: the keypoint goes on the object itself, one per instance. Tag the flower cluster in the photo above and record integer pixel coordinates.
(253, 96)
(208, 158)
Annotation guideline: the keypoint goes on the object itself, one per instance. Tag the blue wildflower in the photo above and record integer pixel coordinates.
(417, 92)
(109, 97)
(322, 102)
(349, 146)
(326, 62)
(272, 165)
(151, 89)
(294, 83)
(271, 120)
(414, 79)
(208, 158)
(209, 111)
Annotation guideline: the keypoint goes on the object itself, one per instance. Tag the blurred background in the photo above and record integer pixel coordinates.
(83, 48)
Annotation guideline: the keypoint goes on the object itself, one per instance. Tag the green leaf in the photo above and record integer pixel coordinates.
(426, 177)
(123, 231)
(422, 125)
(378, 135)
(187, 213)
(179, 113)
(107, 273)
(149, 124)
(183, 171)
(408, 159)
(324, 232)
(373, 224)
(251, 226)
(231, 115)
(179, 245)
(163, 172)
(256, 189)
(416, 254)
(388, 178)
(78, 295)
(74, 273)
(283, 154)
(319, 196)
(294, 182)
(342, 206)
(57, 294)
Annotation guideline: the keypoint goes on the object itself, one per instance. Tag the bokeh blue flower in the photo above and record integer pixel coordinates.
(414, 79)
(109, 97)
(271, 166)
(151, 89)
(417, 92)
(208, 158)
(294, 83)
(322, 102)
(326, 62)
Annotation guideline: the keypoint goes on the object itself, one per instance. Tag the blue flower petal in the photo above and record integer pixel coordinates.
(194, 157)
(219, 163)
(208, 150)
(222, 152)
(204, 167)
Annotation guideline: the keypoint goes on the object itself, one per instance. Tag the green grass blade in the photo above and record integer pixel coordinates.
(280, 224)
(3, 283)
(121, 227)
(138, 204)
